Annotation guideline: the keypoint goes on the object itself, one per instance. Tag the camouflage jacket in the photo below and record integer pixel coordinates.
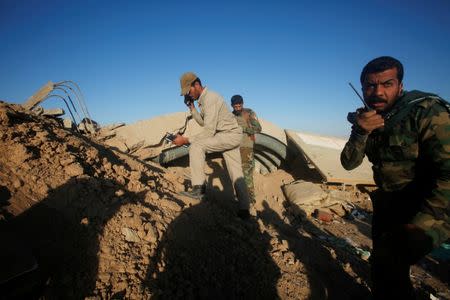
(249, 127)
(412, 150)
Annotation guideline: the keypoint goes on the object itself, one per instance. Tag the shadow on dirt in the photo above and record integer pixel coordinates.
(208, 253)
(5, 196)
(326, 275)
(63, 233)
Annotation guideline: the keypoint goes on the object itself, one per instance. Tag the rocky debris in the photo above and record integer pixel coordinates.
(130, 235)
(112, 127)
(80, 185)
(146, 139)
(69, 124)
(104, 225)
(54, 112)
(88, 126)
(308, 197)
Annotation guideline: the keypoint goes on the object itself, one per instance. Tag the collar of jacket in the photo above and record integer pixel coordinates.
(407, 98)
(201, 99)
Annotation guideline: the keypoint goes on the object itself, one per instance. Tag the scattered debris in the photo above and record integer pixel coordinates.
(308, 197)
(107, 225)
(322, 215)
(63, 90)
(357, 214)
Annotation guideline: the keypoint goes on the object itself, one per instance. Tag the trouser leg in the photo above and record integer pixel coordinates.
(234, 165)
(197, 163)
(394, 249)
(390, 273)
(248, 167)
(220, 142)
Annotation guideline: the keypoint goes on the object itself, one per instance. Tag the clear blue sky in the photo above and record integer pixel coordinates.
(290, 60)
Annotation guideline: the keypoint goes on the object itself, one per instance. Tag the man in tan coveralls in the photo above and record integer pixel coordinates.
(221, 133)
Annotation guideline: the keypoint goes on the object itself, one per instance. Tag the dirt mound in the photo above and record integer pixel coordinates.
(104, 225)
(65, 193)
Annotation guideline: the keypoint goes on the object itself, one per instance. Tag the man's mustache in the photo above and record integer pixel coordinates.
(376, 100)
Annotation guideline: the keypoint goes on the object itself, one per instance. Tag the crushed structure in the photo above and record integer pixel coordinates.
(94, 217)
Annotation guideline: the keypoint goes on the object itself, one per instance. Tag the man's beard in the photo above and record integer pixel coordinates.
(237, 112)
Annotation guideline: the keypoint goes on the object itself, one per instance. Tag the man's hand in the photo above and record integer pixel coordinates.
(180, 140)
(369, 120)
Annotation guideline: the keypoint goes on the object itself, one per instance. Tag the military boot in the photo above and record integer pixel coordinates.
(198, 192)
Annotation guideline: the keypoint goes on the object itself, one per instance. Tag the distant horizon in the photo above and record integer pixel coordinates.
(48, 106)
(265, 120)
(291, 61)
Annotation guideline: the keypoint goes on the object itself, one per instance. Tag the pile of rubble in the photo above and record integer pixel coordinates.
(101, 224)
(66, 192)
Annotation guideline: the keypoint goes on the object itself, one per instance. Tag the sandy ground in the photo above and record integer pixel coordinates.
(104, 225)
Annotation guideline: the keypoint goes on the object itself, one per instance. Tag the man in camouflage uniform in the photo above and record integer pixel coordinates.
(250, 126)
(406, 136)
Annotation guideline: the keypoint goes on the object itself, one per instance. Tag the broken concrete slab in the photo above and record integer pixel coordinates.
(39, 96)
(324, 153)
(112, 126)
(88, 126)
(119, 145)
(38, 110)
(54, 112)
(68, 123)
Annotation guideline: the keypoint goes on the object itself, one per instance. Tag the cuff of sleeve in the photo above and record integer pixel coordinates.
(438, 230)
(357, 137)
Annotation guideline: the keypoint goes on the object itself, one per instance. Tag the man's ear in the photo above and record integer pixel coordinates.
(400, 91)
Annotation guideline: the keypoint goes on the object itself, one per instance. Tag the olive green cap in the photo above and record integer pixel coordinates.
(186, 81)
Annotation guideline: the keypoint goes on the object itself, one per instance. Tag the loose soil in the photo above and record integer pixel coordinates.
(104, 225)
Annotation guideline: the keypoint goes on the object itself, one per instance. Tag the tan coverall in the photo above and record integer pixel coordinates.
(221, 133)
